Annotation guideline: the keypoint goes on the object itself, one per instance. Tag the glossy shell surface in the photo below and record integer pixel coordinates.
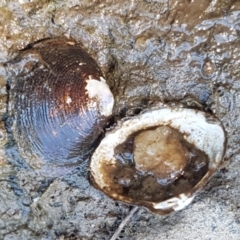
(59, 101)
(159, 159)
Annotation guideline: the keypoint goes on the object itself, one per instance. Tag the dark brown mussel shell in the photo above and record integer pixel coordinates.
(59, 103)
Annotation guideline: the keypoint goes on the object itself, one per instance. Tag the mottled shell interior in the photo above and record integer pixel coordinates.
(200, 130)
(59, 101)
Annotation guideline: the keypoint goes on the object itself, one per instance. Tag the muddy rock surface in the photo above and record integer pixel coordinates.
(151, 52)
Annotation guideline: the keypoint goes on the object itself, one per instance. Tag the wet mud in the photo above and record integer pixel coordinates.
(151, 52)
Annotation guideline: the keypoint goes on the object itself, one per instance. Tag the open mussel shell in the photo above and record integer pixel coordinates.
(159, 158)
(59, 102)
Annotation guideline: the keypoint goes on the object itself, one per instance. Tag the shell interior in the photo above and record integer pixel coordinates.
(159, 158)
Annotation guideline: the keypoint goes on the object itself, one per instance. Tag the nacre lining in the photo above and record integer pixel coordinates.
(190, 143)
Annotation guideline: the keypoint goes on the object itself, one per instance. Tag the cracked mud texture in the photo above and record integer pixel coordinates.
(151, 52)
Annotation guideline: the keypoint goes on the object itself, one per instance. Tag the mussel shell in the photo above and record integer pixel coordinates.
(57, 119)
(119, 178)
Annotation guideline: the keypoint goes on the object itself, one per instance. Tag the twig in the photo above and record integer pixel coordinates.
(123, 223)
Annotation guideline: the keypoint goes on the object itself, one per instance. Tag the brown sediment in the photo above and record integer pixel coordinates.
(138, 186)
